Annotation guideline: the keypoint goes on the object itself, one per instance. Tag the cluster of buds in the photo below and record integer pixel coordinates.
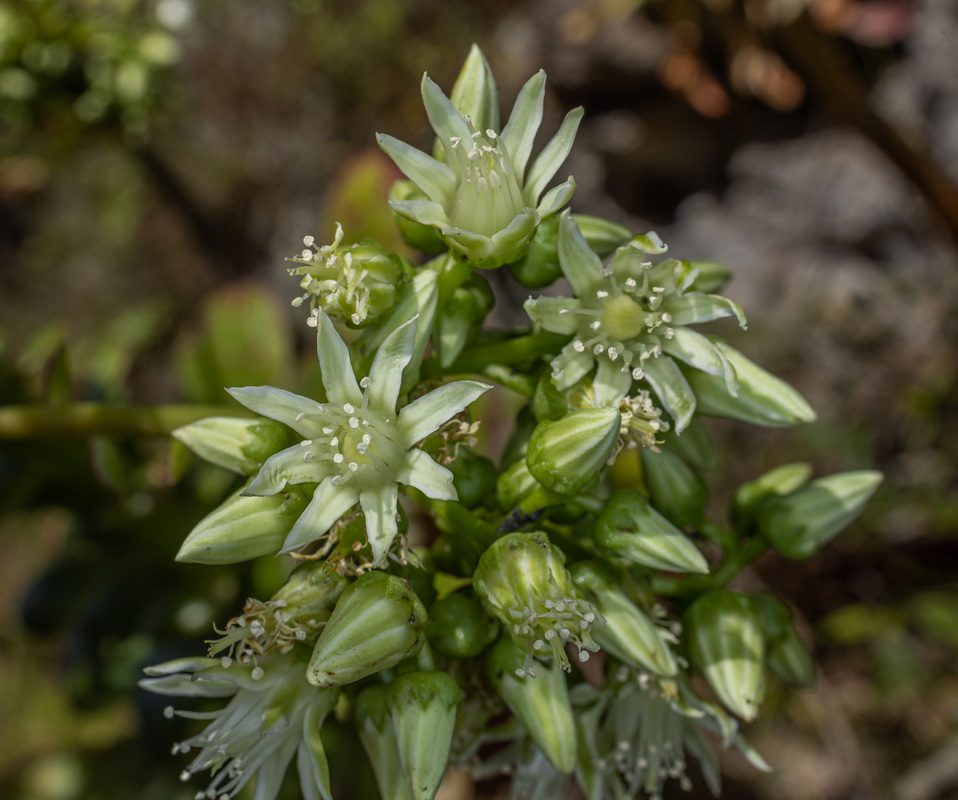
(545, 558)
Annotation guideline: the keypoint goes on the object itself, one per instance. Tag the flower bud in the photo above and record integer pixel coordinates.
(540, 265)
(243, 528)
(516, 486)
(762, 399)
(459, 626)
(786, 654)
(725, 640)
(474, 477)
(800, 523)
(779, 481)
(378, 735)
(628, 633)
(460, 316)
(377, 622)
(540, 701)
(423, 707)
(629, 527)
(522, 581)
(239, 445)
(675, 489)
(568, 455)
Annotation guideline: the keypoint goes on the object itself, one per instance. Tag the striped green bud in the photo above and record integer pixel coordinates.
(779, 481)
(675, 489)
(237, 444)
(242, 528)
(725, 641)
(540, 702)
(628, 633)
(523, 581)
(629, 527)
(569, 455)
(800, 523)
(377, 622)
(423, 708)
(376, 731)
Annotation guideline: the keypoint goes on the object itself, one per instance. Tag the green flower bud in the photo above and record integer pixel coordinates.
(459, 627)
(800, 523)
(725, 640)
(474, 477)
(522, 580)
(779, 481)
(540, 702)
(628, 526)
(693, 446)
(423, 707)
(786, 654)
(762, 399)
(239, 445)
(569, 455)
(377, 622)
(243, 528)
(628, 633)
(678, 493)
(378, 735)
(548, 403)
(516, 485)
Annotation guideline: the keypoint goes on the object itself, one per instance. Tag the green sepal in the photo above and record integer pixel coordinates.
(694, 445)
(242, 528)
(800, 523)
(569, 455)
(377, 622)
(548, 403)
(675, 489)
(423, 707)
(629, 527)
(541, 703)
(762, 398)
(237, 444)
(378, 736)
(628, 633)
(778, 481)
(724, 636)
(459, 626)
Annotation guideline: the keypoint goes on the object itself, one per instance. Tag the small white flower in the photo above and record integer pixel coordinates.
(273, 714)
(356, 446)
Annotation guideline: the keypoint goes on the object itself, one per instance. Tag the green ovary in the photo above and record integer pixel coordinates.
(624, 319)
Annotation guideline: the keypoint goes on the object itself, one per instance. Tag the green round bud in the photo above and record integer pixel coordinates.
(459, 627)
(474, 477)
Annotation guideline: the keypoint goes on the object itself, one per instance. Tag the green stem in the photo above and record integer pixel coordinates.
(103, 419)
(520, 350)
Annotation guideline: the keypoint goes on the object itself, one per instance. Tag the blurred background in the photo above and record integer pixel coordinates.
(159, 159)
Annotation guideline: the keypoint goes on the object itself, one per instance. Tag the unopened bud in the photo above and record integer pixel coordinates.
(569, 455)
(237, 444)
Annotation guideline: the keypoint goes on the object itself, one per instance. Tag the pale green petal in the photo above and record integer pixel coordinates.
(611, 383)
(446, 121)
(311, 762)
(435, 178)
(278, 404)
(424, 474)
(337, 371)
(554, 313)
(286, 466)
(423, 415)
(425, 212)
(475, 93)
(556, 197)
(570, 366)
(689, 309)
(188, 664)
(550, 159)
(698, 351)
(520, 132)
(184, 686)
(380, 506)
(579, 264)
(269, 776)
(671, 388)
(385, 375)
(329, 503)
